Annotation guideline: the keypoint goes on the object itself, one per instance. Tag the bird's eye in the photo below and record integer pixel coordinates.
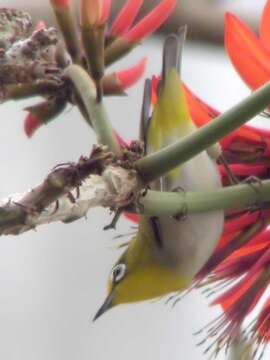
(118, 272)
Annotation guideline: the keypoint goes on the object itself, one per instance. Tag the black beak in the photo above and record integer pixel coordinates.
(108, 304)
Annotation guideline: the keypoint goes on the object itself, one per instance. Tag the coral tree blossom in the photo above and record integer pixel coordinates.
(96, 13)
(249, 53)
(240, 263)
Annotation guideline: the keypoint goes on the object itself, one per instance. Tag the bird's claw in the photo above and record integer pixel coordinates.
(114, 221)
(182, 215)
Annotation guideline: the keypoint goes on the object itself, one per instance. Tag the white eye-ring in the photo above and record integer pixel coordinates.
(118, 272)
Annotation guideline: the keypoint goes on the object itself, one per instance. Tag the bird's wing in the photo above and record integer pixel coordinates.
(170, 119)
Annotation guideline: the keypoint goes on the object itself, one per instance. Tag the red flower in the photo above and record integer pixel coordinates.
(122, 29)
(151, 22)
(242, 258)
(244, 170)
(246, 138)
(262, 326)
(118, 81)
(249, 53)
(246, 274)
(264, 26)
(126, 17)
(133, 217)
(130, 76)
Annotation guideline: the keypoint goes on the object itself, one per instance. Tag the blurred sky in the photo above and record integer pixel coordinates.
(53, 280)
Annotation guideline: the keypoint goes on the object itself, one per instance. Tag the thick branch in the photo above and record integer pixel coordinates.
(68, 192)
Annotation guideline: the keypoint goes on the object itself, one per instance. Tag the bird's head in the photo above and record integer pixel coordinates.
(140, 276)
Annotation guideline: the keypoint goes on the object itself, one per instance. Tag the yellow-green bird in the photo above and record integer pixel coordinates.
(167, 252)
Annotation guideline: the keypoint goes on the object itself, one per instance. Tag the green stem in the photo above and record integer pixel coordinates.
(96, 112)
(68, 27)
(117, 49)
(231, 197)
(159, 163)
(93, 43)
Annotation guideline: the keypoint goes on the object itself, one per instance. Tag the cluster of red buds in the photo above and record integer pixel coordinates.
(36, 59)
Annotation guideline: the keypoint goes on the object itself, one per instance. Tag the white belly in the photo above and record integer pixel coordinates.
(189, 243)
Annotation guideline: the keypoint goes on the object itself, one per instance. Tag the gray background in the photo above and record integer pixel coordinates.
(53, 280)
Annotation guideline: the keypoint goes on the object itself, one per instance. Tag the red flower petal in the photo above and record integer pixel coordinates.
(247, 250)
(233, 242)
(249, 57)
(244, 170)
(240, 222)
(246, 293)
(226, 238)
(257, 243)
(126, 17)
(31, 124)
(200, 112)
(260, 264)
(151, 22)
(130, 76)
(264, 26)
(133, 217)
(121, 141)
(262, 238)
(236, 266)
(263, 322)
(236, 292)
(237, 303)
(154, 89)
(242, 260)
(265, 138)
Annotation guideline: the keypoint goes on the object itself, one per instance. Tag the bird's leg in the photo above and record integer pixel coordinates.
(232, 178)
(182, 215)
(114, 221)
(139, 205)
(255, 183)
